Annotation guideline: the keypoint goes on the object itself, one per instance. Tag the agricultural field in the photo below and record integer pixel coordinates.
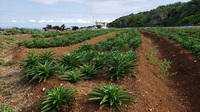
(188, 38)
(113, 70)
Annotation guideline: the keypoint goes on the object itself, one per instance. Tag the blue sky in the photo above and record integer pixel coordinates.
(39, 13)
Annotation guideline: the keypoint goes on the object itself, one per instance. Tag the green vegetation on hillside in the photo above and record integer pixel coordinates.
(177, 14)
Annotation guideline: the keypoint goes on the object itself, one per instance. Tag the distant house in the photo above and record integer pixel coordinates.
(102, 25)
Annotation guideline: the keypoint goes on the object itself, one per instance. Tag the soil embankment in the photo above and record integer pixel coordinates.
(186, 82)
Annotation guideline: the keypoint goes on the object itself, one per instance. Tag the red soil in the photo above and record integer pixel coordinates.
(178, 93)
(186, 83)
(23, 37)
(153, 94)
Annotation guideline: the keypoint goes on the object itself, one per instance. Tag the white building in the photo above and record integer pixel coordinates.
(100, 24)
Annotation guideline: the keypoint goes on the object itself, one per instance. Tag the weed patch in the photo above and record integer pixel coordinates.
(164, 65)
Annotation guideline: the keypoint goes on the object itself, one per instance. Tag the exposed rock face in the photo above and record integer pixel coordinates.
(158, 16)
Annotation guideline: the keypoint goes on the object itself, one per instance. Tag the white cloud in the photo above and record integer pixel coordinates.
(14, 21)
(80, 21)
(32, 21)
(117, 6)
(51, 2)
(45, 21)
(106, 7)
(64, 21)
(108, 21)
(22, 21)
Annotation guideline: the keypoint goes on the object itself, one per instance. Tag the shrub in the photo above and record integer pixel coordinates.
(110, 95)
(57, 98)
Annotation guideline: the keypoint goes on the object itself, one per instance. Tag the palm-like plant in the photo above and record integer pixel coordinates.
(72, 76)
(110, 95)
(32, 60)
(41, 71)
(86, 56)
(89, 70)
(85, 47)
(57, 98)
(100, 60)
(70, 59)
(47, 56)
(62, 69)
(120, 64)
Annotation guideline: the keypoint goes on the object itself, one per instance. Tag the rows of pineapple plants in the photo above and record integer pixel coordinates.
(65, 39)
(54, 34)
(49, 34)
(192, 32)
(115, 60)
(189, 42)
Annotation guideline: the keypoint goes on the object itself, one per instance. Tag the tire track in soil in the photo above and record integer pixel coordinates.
(186, 83)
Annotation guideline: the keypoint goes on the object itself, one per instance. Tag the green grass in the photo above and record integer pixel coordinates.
(5, 108)
(164, 65)
(6, 41)
(10, 63)
(1, 61)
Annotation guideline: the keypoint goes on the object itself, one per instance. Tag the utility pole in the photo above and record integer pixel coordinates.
(94, 21)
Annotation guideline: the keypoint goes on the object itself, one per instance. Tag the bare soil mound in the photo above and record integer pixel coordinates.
(24, 37)
(186, 83)
(154, 94)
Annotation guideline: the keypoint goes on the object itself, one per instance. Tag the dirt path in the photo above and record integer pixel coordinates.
(186, 83)
(153, 93)
(24, 37)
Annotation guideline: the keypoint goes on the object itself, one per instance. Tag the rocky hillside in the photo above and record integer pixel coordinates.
(177, 14)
